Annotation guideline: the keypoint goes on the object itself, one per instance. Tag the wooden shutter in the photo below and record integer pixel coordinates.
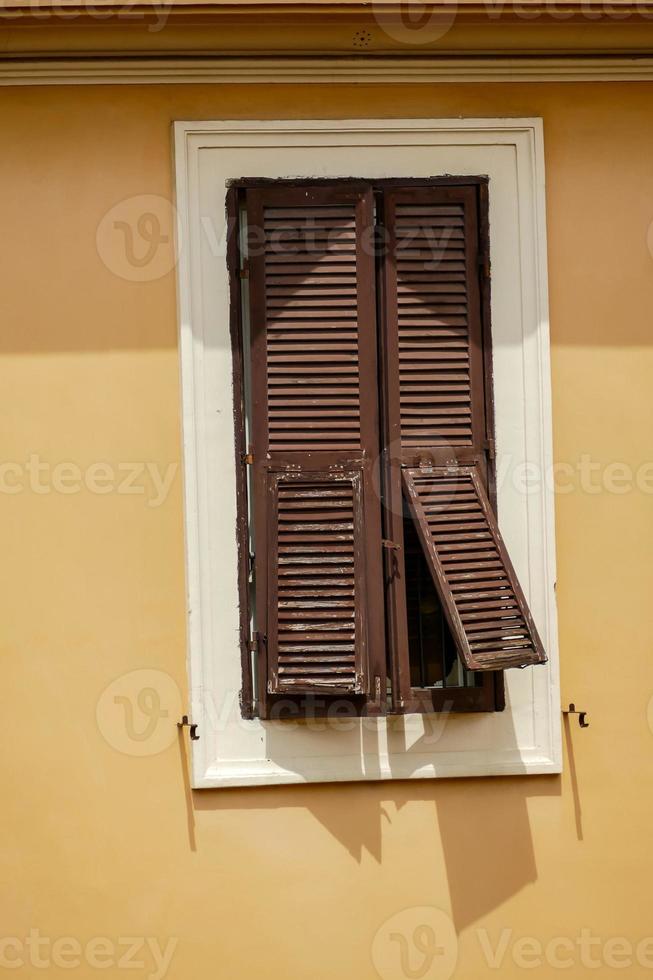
(315, 440)
(316, 609)
(483, 602)
(437, 405)
(433, 337)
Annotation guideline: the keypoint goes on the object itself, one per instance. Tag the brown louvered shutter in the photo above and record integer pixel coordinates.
(484, 604)
(315, 441)
(437, 380)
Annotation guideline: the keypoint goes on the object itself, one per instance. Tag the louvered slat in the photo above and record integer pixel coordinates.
(482, 599)
(316, 579)
(311, 328)
(431, 308)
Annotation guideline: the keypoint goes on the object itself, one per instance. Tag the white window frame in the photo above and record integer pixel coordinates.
(526, 737)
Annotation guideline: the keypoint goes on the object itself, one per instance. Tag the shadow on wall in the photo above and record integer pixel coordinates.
(486, 840)
(480, 825)
(470, 835)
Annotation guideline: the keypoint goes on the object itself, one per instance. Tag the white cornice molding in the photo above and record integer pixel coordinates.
(222, 70)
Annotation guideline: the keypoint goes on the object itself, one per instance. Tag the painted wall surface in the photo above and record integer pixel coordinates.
(101, 846)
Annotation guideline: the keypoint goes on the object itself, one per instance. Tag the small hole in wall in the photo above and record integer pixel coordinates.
(362, 39)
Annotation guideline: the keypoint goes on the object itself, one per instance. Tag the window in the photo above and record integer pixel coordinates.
(373, 570)
(233, 750)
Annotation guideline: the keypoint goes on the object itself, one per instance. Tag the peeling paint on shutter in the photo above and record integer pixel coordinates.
(316, 627)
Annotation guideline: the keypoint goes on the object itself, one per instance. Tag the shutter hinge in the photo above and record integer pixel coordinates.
(484, 263)
(247, 458)
(185, 723)
(490, 447)
(253, 642)
(582, 715)
(243, 272)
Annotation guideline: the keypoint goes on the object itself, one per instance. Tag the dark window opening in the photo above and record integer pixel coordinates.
(434, 660)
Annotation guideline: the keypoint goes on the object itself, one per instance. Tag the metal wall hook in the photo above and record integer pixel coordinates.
(582, 715)
(185, 723)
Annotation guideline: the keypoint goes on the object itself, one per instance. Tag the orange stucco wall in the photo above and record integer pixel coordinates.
(296, 882)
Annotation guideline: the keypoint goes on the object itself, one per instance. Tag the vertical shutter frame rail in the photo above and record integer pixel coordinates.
(246, 695)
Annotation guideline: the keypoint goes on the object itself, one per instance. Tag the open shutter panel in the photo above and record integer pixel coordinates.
(480, 594)
(436, 406)
(315, 437)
